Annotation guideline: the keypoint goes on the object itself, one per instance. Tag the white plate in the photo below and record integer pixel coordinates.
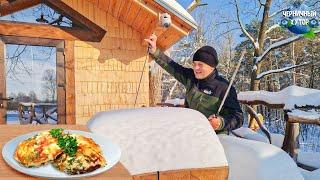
(111, 153)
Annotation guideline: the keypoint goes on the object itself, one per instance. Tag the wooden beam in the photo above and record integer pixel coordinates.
(96, 34)
(9, 28)
(3, 105)
(30, 41)
(294, 119)
(291, 138)
(17, 5)
(272, 106)
(61, 83)
(70, 82)
(76, 18)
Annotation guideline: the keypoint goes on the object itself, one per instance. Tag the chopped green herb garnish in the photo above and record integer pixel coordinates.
(69, 144)
(56, 132)
(66, 142)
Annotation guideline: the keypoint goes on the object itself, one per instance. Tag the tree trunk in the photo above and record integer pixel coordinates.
(294, 63)
(261, 40)
(254, 83)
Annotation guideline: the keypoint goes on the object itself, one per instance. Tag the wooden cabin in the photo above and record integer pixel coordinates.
(100, 58)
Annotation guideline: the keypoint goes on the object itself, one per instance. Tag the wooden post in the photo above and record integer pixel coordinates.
(70, 83)
(291, 138)
(2, 83)
(61, 84)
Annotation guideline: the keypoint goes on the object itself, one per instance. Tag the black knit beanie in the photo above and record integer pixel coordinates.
(208, 55)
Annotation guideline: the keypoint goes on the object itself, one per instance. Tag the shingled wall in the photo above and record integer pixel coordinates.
(107, 74)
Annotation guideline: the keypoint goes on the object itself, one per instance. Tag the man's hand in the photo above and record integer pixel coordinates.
(215, 121)
(152, 41)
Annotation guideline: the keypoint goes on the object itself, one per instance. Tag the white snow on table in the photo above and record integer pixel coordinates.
(161, 138)
(253, 160)
(289, 96)
(310, 114)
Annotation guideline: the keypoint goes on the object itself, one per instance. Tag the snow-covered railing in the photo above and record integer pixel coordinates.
(305, 117)
(300, 105)
(288, 98)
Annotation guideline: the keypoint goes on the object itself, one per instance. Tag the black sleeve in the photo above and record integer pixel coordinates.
(179, 72)
(231, 112)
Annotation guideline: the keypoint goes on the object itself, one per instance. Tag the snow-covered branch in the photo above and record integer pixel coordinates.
(277, 12)
(280, 44)
(245, 32)
(272, 28)
(260, 76)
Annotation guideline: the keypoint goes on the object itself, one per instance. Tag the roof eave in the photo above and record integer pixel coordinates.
(189, 21)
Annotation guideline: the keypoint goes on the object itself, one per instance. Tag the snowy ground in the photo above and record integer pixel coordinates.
(13, 118)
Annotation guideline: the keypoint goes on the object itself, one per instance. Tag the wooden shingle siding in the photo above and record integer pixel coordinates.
(107, 74)
(139, 15)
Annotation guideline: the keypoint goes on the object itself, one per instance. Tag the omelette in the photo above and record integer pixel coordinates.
(70, 153)
(87, 158)
(37, 150)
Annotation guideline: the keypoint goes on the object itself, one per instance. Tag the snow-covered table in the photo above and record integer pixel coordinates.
(166, 141)
(179, 143)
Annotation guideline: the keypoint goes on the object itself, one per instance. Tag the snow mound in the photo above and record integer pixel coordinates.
(161, 138)
(247, 133)
(290, 96)
(309, 158)
(313, 175)
(252, 160)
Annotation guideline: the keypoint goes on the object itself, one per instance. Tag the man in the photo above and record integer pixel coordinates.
(204, 87)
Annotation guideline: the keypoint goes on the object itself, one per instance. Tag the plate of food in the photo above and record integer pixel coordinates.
(61, 154)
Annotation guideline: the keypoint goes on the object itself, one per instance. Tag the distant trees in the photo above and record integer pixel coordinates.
(49, 84)
(22, 97)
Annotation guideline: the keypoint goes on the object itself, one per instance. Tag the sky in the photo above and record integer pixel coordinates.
(220, 8)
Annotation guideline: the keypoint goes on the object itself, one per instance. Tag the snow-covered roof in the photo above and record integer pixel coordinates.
(161, 139)
(290, 97)
(175, 8)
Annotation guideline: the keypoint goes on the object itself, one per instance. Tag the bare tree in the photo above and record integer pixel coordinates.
(49, 84)
(258, 40)
(14, 58)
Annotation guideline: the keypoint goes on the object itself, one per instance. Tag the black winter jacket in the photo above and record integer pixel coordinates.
(205, 95)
